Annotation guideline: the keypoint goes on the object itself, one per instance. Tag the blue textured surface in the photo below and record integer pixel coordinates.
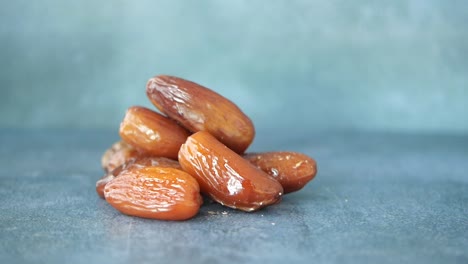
(378, 198)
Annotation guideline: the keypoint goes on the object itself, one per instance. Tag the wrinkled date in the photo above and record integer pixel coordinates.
(293, 170)
(225, 176)
(152, 133)
(198, 108)
(155, 192)
(135, 163)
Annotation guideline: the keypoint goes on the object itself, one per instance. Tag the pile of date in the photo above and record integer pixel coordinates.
(165, 162)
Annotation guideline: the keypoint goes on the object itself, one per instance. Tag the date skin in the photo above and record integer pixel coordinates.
(225, 176)
(293, 170)
(198, 108)
(152, 133)
(156, 193)
(119, 153)
(134, 163)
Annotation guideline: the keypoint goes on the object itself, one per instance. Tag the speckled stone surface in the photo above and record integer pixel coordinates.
(378, 198)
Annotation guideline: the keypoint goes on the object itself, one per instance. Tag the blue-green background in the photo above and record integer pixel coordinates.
(290, 65)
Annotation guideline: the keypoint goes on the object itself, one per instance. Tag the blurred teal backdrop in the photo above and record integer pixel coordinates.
(290, 65)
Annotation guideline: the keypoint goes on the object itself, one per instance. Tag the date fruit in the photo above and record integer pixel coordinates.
(198, 108)
(119, 153)
(152, 133)
(225, 176)
(292, 170)
(135, 163)
(155, 192)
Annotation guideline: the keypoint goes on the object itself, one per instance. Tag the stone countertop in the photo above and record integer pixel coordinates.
(377, 198)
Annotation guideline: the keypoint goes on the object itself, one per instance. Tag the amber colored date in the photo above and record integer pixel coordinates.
(135, 163)
(119, 153)
(225, 176)
(152, 133)
(155, 192)
(292, 170)
(198, 108)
